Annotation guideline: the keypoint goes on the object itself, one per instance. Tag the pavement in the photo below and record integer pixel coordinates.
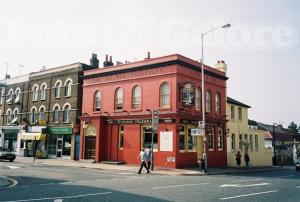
(134, 168)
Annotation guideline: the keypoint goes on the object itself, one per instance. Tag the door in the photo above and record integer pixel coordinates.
(59, 147)
(89, 147)
(77, 146)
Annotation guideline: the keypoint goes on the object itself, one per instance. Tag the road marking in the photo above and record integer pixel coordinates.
(62, 197)
(14, 182)
(244, 195)
(49, 169)
(256, 179)
(13, 167)
(247, 185)
(285, 176)
(297, 187)
(180, 185)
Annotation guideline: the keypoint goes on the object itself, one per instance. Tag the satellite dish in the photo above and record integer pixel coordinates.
(14, 120)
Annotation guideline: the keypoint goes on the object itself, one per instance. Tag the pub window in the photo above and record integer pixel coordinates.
(232, 112)
(147, 138)
(136, 97)
(191, 141)
(119, 99)
(182, 138)
(233, 142)
(220, 139)
(211, 139)
(198, 100)
(97, 101)
(164, 95)
(208, 101)
(218, 103)
(121, 137)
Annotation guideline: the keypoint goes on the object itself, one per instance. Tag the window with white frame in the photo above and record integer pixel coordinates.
(97, 101)
(17, 95)
(33, 114)
(233, 142)
(218, 103)
(220, 139)
(43, 91)
(35, 91)
(164, 91)
(42, 116)
(8, 116)
(198, 99)
(1, 95)
(147, 137)
(66, 114)
(10, 96)
(56, 114)
(211, 142)
(136, 97)
(68, 88)
(119, 99)
(57, 88)
(15, 115)
(208, 101)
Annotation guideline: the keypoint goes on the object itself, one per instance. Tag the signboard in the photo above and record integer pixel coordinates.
(166, 141)
(155, 119)
(59, 131)
(187, 95)
(90, 130)
(197, 131)
(35, 129)
(139, 121)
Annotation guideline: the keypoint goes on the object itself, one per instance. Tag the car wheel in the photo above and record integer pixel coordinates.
(11, 160)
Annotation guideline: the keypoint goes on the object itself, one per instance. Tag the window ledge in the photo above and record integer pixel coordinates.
(65, 122)
(211, 150)
(119, 111)
(97, 112)
(181, 151)
(164, 108)
(67, 96)
(136, 110)
(57, 97)
(190, 151)
(43, 99)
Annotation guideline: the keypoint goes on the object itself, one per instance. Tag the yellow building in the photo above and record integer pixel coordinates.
(242, 137)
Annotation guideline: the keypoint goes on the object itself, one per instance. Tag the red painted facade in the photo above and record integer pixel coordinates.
(150, 74)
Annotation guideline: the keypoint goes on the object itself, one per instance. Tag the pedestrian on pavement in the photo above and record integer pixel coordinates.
(247, 159)
(142, 155)
(149, 157)
(238, 157)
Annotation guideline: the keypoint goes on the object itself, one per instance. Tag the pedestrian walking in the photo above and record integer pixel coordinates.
(149, 157)
(142, 156)
(247, 159)
(238, 157)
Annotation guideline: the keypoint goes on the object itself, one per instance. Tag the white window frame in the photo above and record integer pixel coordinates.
(35, 92)
(198, 99)
(208, 101)
(211, 139)
(43, 90)
(66, 114)
(164, 95)
(68, 87)
(42, 114)
(136, 97)
(8, 116)
(17, 94)
(119, 98)
(33, 115)
(218, 102)
(220, 139)
(56, 116)
(57, 88)
(97, 100)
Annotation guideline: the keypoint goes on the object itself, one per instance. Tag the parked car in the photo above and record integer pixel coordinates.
(5, 154)
(298, 165)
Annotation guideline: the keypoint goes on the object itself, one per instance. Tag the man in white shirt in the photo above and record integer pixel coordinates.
(143, 157)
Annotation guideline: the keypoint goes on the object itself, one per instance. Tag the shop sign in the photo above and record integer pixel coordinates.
(187, 93)
(197, 131)
(139, 121)
(90, 130)
(59, 131)
(192, 122)
(171, 159)
(10, 131)
(166, 141)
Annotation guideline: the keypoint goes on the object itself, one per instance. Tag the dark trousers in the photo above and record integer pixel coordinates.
(143, 164)
(149, 164)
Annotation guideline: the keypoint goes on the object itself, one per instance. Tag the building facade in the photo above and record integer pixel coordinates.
(244, 137)
(118, 103)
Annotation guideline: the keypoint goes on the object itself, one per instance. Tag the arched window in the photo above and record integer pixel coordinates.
(17, 94)
(57, 89)
(42, 114)
(136, 97)
(8, 116)
(198, 100)
(164, 91)
(43, 91)
(33, 113)
(56, 114)
(97, 101)
(66, 117)
(68, 88)
(218, 103)
(208, 101)
(35, 93)
(119, 99)
(1, 95)
(15, 115)
(10, 96)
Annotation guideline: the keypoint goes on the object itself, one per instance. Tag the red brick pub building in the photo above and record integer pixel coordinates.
(117, 104)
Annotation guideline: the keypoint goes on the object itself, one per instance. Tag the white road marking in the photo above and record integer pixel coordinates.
(49, 169)
(180, 185)
(13, 167)
(244, 195)
(14, 182)
(284, 176)
(297, 187)
(256, 179)
(247, 185)
(62, 197)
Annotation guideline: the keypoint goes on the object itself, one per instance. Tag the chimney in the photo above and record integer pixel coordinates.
(221, 66)
(7, 76)
(148, 56)
(105, 63)
(94, 62)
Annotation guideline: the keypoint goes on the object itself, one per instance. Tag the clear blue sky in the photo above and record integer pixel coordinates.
(261, 48)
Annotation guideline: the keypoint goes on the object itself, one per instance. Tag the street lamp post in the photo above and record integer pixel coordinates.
(203, 91)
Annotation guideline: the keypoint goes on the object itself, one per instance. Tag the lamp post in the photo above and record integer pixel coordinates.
(203, 91)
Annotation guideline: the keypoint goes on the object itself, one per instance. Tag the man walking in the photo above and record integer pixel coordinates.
(143, 157)
(149, 157)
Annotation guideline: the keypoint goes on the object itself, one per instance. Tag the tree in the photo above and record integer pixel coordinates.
(293, 127)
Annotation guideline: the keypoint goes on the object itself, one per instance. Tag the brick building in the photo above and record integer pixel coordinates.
(118, 101)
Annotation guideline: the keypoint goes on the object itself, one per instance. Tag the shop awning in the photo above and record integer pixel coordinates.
(33, 136)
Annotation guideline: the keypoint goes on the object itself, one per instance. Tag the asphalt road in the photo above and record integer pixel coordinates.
(54, 183)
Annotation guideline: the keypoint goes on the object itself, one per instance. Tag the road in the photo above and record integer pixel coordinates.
(58, 183)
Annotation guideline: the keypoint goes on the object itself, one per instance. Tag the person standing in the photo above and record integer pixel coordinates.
(247, 159)
(142, 155)
(149, 157)
(238, 157)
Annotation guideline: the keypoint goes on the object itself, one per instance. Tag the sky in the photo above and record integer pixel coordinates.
(261, 48)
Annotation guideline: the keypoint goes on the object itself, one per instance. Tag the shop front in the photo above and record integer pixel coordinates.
(10, 139)
(89, 141)
(33, 144)
(59, 142)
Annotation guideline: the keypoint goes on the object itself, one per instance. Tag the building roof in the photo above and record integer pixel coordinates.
(278, 131)
(235, 102)
(252, 122)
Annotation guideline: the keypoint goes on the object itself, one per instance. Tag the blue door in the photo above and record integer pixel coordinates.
(77, 146)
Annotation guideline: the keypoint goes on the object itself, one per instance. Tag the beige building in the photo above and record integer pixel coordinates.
(244, 138)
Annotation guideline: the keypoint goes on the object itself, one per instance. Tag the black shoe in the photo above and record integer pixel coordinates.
(148, 172)
(139, 173)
